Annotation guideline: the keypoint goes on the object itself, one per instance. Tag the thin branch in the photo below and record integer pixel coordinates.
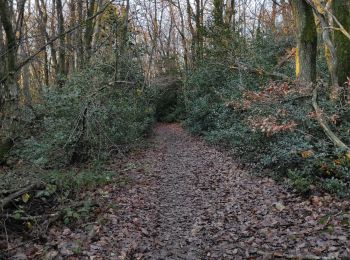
(18, 67)
(323, 123)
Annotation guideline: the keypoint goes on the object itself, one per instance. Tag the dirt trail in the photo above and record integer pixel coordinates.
(190, 201)
(193, 202)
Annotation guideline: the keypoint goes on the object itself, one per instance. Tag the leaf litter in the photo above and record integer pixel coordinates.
(187, 200)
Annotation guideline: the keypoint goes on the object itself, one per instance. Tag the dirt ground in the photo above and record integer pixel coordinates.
(186, 200)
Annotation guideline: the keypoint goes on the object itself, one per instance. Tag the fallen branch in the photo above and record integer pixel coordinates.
(323, 123)
(285, 59)
(5, 192)
(29, 218)
(4, 202)
(259, 71)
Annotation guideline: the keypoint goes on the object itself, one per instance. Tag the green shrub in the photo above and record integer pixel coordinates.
(299, 181)
(336, 186)
(88, 118)
(268, 123)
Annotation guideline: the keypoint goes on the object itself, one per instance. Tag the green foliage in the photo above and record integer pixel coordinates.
(88, 118)
(336, 186)
(166, 102)
(299, 181)
(58, 181)
(269, 124)
(73, 214)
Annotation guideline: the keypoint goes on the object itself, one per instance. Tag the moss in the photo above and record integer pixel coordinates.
(308, 26)
(306, 41)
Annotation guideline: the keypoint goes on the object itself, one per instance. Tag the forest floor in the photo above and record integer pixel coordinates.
(187, 200)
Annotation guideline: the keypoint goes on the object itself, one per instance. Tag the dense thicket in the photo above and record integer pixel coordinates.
(242, 95)
(89, 117)
(84, 81)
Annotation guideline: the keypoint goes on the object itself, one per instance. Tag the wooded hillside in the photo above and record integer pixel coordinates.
(83, 83)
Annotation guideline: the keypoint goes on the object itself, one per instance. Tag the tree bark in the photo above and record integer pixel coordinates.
(70, 60)
(341, 10)
(218, 13)
(199, 31)
(89, 30)
(62, 41)
(322, 14)
(306, 41)
(230, 15)
(9, 88)
(79, 38)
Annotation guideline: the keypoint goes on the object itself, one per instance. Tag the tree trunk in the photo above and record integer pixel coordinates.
(79, 39)
(125, 32)
(199, 31)
(89, 29)
(43, 18)
(273, 16)
(306, 41)
(230, 15)
(8, 82)
(97, 30)
(26, 71)
(324, 19)
(70, 61)
(2, 49)
(341, 10)
(62, 42)
(9, 89)
(218, 13)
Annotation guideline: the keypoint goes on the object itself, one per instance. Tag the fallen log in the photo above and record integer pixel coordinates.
(4, 202)
(259, 71)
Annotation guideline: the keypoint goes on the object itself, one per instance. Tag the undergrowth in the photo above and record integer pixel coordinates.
(268, 123)
(88, 118)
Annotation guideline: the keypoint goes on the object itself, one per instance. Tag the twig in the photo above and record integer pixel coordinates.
(6, 235)
(20, 245)
(42, 48)
(8, 191)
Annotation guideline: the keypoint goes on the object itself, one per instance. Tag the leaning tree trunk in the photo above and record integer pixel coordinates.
(306, 41)
(322, 13)
(341, 10)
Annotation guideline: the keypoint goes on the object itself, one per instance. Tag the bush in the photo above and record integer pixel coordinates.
(268, 123)
(88, 118)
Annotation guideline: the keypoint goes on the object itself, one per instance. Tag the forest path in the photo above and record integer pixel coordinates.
(182, 199)
(190, 201)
